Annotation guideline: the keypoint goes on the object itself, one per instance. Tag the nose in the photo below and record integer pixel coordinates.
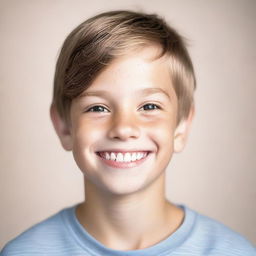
(123, 127)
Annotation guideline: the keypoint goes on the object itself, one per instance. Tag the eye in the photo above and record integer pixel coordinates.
(150, 106)
(97, 108)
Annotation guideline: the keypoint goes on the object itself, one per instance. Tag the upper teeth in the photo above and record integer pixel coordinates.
(123, 157)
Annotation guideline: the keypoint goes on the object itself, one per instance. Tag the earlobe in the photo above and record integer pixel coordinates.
(182, 132)
(62, 128)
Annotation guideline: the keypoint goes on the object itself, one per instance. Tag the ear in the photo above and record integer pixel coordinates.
(62, 128)
(182, 131)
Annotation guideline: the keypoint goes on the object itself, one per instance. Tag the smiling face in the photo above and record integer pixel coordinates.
(123, 127)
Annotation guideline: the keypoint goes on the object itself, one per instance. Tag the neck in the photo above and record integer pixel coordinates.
(133, 221)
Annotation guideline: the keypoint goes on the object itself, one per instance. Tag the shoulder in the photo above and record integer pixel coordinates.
(40, 238)
(218, 238)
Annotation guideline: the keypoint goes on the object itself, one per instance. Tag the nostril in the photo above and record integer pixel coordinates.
(124, 132)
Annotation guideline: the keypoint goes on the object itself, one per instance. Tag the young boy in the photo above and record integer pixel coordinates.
(123, 104)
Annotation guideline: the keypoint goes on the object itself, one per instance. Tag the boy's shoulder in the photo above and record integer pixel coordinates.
(217, 238)
(47, 236)
(61, 235)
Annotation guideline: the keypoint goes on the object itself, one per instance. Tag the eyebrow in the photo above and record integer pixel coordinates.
(143, 92)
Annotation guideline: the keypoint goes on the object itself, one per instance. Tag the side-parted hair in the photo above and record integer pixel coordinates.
(91, 46)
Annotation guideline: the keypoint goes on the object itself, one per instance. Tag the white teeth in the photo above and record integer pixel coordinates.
(127, 157)
(113, 156)
(139, 156)
(134, 156)
(120, 157)
(124, 157)
(107, 155)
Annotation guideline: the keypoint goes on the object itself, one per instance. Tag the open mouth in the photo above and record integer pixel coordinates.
(123, 159)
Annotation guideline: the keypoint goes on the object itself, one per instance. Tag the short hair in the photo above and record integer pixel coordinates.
(91, 46)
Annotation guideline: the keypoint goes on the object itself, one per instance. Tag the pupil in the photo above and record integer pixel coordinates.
(99, 108)
(149, 106)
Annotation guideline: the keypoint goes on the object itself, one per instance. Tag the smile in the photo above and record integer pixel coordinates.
(123, 159)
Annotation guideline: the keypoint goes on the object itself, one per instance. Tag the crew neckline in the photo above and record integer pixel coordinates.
(94, 247)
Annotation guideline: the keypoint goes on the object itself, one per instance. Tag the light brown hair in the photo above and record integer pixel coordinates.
(99, 40)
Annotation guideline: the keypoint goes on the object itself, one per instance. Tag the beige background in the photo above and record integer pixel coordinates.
(216, 173)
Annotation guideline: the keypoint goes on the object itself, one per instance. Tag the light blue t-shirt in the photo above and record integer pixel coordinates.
(63, 235)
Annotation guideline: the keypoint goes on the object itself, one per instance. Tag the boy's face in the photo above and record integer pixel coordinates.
(129, 115)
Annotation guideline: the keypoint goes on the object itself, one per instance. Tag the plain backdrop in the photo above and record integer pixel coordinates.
(215, 175)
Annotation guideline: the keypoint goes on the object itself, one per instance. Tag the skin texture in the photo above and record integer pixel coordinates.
(131, 106)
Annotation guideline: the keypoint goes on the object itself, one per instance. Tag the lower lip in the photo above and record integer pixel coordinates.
(123, 165)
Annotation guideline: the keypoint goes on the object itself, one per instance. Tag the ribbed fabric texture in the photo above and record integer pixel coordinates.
(63, 235)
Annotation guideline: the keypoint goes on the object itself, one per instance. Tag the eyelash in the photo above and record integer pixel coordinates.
(155, 107)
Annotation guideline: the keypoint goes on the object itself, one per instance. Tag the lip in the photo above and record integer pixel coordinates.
(123, 165)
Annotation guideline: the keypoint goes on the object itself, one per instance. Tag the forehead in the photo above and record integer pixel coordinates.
(135, 71)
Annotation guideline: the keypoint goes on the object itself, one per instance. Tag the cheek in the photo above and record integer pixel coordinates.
(163, 137)
(83, 141)
(86, 132)
(164, 140)
(84, 137)
(162, 129)
(162, 133)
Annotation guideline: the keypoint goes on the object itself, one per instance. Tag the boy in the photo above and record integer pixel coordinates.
(123, 104)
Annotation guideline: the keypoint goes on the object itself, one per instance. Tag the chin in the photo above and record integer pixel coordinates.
(122, 187)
